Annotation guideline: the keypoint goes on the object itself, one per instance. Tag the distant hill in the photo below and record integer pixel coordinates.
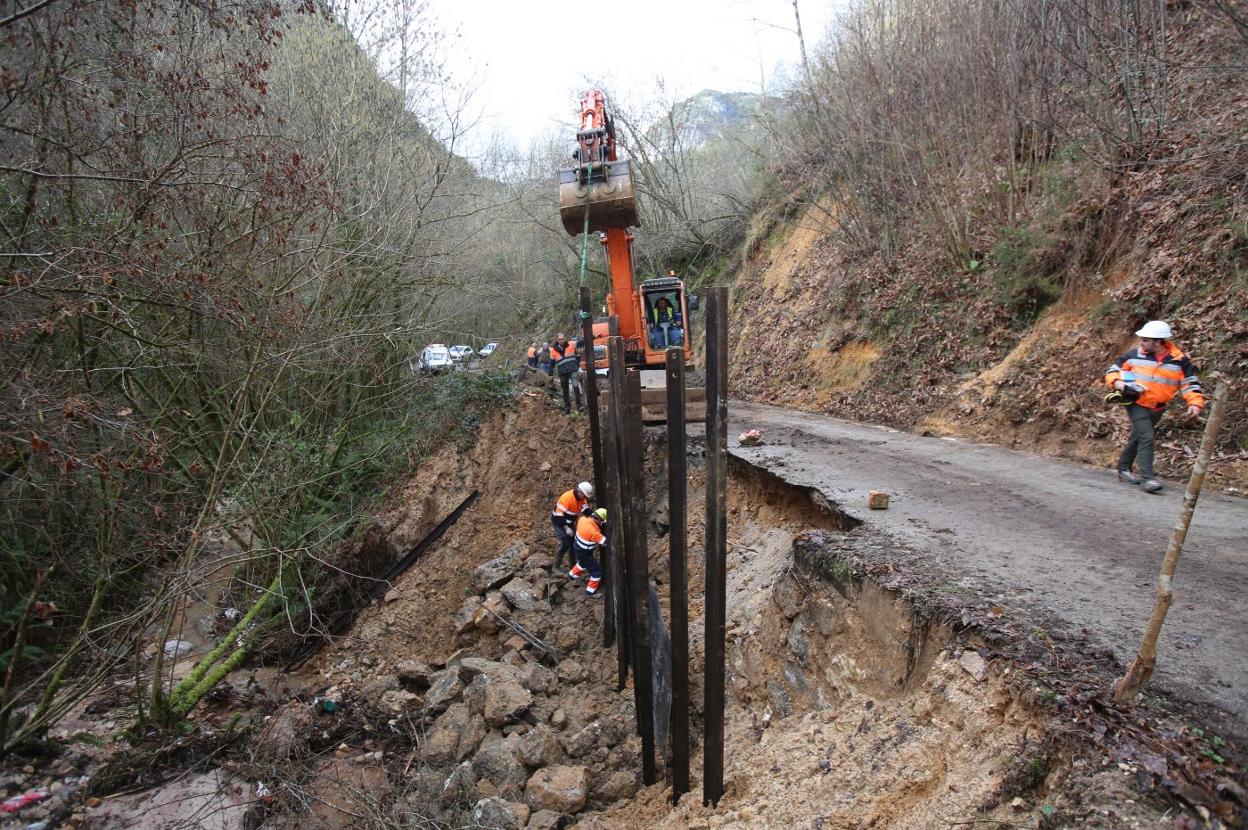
(712, 114)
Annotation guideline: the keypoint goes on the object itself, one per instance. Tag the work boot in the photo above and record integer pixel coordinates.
(591, 587)
(1152, 486)
(577, 572)
(1129, 477)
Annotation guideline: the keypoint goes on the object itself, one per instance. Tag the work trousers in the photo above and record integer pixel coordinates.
(1140, 444)
(564, 535)
(586, 559)
(572, 380)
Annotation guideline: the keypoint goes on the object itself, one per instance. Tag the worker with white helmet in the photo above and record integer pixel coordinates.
(1144, 380)
(563, 517)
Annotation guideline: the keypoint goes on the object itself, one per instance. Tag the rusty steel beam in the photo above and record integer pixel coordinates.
(595, 443)
(716, 541)
(634, 491)
(677, 535)
(617, 510)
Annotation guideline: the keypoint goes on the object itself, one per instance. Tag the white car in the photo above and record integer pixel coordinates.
(435, 359)
(461, 353)
(488, 349)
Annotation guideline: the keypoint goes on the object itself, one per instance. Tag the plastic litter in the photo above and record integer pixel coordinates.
(17, 802)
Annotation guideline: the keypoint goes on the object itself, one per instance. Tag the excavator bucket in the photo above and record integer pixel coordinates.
(605, 190)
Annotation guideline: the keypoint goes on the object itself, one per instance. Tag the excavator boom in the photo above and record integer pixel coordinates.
(598, 196)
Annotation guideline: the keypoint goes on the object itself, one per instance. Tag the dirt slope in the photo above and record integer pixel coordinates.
(918, 342)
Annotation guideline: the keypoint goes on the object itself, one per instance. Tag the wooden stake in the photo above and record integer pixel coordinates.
(1129, 685)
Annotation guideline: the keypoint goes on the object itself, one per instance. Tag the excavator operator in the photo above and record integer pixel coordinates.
(665, 325)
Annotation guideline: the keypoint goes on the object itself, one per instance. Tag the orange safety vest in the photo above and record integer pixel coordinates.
(569, 504)
(532, 352)
(588, 534)
(1162, 378)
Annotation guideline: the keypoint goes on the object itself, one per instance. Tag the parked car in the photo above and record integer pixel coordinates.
(435, 359)
(488, 349)
(461, 353)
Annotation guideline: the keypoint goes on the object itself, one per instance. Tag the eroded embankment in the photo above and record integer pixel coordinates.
(850, 703)
(846, 707)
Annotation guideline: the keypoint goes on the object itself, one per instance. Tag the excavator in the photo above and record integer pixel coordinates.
(598, 196)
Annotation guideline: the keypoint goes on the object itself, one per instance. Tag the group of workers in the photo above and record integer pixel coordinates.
(579, 529)
(562, 357)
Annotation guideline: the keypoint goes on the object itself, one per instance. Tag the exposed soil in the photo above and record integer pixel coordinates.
(852, 700)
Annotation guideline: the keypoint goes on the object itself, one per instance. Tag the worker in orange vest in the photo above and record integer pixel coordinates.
(589, 537)
(563, 518)
(568, 365)
(1144, 380)
(532, 356)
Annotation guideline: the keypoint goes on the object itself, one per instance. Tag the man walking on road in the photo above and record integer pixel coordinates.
(563, 518)
(568, 365)
(1144, 380)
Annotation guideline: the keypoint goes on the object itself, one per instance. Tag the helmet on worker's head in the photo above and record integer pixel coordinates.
(587, 489)
(1155, 330)
(601, 513)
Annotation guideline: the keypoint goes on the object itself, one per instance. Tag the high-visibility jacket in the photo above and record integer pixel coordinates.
(532, 352)
(1160, 377)
(659, 315)
(564, 357)
(588, 533)
(569, 505)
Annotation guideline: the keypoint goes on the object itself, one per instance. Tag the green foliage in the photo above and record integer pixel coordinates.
(1022, 286)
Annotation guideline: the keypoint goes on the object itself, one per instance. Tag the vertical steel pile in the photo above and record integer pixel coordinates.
(677, 515)
(716, 540)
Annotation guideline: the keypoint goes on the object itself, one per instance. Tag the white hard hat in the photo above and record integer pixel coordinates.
(586, 489)
(1156, 329)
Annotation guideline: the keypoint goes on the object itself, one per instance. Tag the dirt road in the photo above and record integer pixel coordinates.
(1069, 537)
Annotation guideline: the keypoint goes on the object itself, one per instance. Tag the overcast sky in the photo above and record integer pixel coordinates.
(530, 61)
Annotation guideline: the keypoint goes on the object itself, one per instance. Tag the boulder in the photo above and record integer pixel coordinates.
(545, 820)
(559, 789)
(444, 687)
(787, 595)
(499, 763)
(414, 674)
(399, 701)
(460, 786)
(442, 743)
(498, 570)
(618, 785)
(472, 736)
(521, 595)
(559, 718)
(570, 671)
(540, 748)
(465, 619)
(474, 694)
(470, 667)
(286, 733)
(505, 701)
(537, 678)
(497, 814)
(584, 741)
